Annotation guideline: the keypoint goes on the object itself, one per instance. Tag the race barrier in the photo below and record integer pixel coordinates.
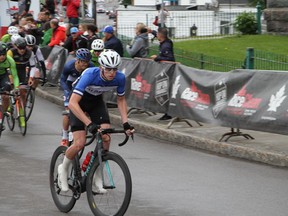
(242, 99)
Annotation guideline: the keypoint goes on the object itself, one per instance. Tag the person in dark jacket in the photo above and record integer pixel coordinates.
(166, 54)
(111, 41)
(166, 47)
(75, 41)
(140, 44)
(92, 34)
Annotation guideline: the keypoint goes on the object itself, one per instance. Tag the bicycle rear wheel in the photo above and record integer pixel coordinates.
(117, 182)
(22, 118)
(64, 201)
(11, 115)
(2, 116)
(30, 100)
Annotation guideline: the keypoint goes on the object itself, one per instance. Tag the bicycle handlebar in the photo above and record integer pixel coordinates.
(112, 131)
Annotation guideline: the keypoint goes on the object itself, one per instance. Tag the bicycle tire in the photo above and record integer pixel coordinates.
(10, 119)
(57, 195)
(30, 100)
(2, 121)
(22, 127)
(103, 204)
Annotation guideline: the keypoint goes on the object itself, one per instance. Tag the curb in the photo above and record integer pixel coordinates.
(271, 158)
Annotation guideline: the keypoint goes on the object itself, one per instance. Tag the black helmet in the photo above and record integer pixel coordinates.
(3, 48)
(20, 43)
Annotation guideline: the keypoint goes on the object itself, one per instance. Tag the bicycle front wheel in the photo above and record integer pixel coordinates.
(64, 201)
(117, 183)
(11, 116)
(30, 100)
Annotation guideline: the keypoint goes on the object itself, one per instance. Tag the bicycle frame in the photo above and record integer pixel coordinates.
(97, 153)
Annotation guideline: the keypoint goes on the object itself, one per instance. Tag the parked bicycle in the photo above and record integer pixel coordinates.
(106, 165)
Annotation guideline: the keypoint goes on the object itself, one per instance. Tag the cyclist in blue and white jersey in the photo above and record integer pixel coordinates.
(87, 98)
(72, 70)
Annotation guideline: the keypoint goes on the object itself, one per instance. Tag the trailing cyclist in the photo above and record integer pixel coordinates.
(39, 59)
(25, 64)
(11, 31)
(97, 47)
(87, 98)
(72, 70)
(7, 67)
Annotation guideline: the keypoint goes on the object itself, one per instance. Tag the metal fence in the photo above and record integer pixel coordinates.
(270, 61)
(183, 24)
(202, 61)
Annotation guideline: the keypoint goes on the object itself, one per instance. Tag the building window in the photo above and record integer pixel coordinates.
(192, 1)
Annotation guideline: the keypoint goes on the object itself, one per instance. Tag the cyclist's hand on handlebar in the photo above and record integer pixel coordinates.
(93, 128)
(16, 92)
(128, 129)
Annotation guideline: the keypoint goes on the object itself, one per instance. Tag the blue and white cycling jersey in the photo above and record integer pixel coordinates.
(91, 82)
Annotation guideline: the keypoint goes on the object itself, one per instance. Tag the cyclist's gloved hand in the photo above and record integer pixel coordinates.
(93, 128)
(16, 92)
(127, 126)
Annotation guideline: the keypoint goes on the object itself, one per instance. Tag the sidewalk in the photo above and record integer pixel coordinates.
(266, 147)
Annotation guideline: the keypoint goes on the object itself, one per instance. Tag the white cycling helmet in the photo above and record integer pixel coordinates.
(97, 45)
(109, 59)
(14, 37)
(30, 40)
(12, 30)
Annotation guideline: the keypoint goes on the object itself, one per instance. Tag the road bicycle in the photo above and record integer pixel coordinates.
(16, 111)
(109, 166)
(2, 114)
(30, 99)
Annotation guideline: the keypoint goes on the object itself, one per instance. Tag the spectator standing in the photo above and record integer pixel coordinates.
(162, 15)
(92, 34)
(72, 7)
(24, 7)
(58, 33)
(166, 54)
(111, 41)
(50, 7)
(140, 45)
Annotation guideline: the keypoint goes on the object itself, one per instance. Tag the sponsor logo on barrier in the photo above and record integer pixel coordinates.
(195, 98)
(140, 87)
(243, 103)
(275, 102)
(220, 93)
(175, 87)
(162, 88)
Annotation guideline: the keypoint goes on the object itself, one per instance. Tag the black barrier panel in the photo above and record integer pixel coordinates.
(261, 104)
(46, 51)
(55, 64)
(148, 86)
(201, 95)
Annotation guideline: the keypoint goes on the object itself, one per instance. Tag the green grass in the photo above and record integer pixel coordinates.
(235, 47)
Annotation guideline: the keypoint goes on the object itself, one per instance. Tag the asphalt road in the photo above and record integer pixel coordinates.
(167, 179)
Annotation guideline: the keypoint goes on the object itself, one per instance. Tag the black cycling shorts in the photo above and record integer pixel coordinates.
(5, 84)
(96, 109)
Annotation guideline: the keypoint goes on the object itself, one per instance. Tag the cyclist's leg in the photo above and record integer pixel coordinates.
(5, 86)
(99, 115)
(79, 136)
(65, 121)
